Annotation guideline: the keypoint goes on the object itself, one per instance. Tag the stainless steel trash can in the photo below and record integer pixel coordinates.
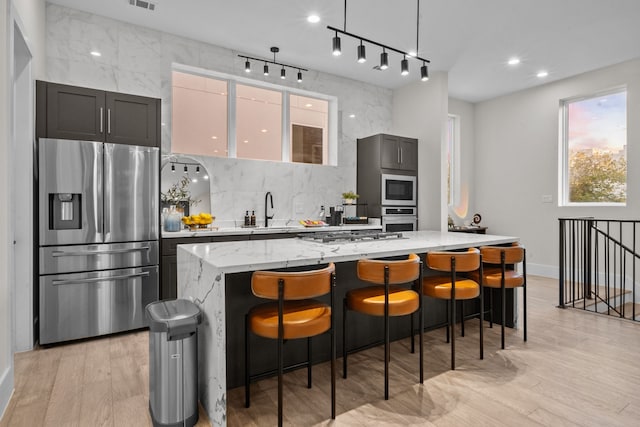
(173, 362)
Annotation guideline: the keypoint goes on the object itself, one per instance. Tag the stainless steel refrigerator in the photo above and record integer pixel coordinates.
(98, 237)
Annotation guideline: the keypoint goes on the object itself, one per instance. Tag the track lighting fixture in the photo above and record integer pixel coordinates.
(197, 169)
(404, 66)
(424, 72)
(384, 60)
(337, 50)
(173, 167)
(362, 55)
(384, 56)
(265, 68)
(185, 169)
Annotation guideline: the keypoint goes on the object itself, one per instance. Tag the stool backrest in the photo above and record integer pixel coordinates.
(465, 261)
(297, 284)
(400, 271)
(512, 254)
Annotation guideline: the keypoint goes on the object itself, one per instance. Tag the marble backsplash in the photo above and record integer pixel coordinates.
(139, 60)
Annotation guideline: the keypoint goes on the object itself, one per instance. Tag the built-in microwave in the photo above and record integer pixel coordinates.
(398, 190)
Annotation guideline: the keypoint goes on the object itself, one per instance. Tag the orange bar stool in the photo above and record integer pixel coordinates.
(294, 314)
(453, 288)
(386, 299)
(496, 276)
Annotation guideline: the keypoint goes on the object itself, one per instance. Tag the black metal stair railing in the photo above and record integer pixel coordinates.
(598, 264)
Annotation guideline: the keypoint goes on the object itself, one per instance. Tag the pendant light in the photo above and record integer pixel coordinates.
(424, 72)
(247, 66)
(299, 76)
(404, 66)
(173, 167)
(185, 169)
(384, 60)
(283, 71)
(362, 55)
(337, 50)
(283, 74)
(265, 69)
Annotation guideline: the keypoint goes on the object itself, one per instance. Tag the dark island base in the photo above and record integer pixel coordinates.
(363, 331)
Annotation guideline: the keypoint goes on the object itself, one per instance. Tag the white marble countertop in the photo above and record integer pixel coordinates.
(292, 229)
(230, 257)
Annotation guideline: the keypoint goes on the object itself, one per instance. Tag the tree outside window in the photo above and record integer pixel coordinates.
(595, 149)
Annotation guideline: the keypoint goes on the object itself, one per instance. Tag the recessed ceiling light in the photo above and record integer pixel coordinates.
(95, 53)
(263, 130)
(163, 124)
(215, 151)
(412, 53)
(313, 18)
(246, 141)
(308, 105)
(542, 74)
(352, 116)
(214, 137)
(513, 61)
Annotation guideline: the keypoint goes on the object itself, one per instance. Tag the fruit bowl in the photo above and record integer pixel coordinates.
(199, 221)
(313, 223)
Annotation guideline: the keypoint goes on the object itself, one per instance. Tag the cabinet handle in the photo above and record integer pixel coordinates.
(101, 120)
(109, 121)
(400, 155)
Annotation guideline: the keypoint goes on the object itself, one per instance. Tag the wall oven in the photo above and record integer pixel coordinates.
(398, 190)
(399, 218)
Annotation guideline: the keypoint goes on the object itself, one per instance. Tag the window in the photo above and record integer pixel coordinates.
(258, 123)
(309, 124)
(594, 149)
(215, 114)
(453, 135)
(199, 120)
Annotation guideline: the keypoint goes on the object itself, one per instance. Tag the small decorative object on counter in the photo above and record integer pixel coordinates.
(450, 221)
(350, 197)
(172, 221)
(252, 220)
(247, 219)
(200, 221)
(476, 219)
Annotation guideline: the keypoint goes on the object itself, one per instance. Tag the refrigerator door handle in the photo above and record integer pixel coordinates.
(101, 119)
(98, 279)
(107, 252)
(109, 121)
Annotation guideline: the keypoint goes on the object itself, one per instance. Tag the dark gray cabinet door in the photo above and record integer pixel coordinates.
(408, 154)
(398, 153)
(132, 119)
(74, 113)
(390, 152)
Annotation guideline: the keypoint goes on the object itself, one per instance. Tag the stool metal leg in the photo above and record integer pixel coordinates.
(386, 332)
(421, 325)
(247, 381)
(309, 362)
(452, 319)
(481, 312)
(333, 348)
(504, 296)
(524, 292)
(280, 345)
(344, 338)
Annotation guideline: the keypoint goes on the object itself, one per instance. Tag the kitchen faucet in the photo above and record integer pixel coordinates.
(267, 217)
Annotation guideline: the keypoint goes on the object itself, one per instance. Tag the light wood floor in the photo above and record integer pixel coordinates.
(577, 369)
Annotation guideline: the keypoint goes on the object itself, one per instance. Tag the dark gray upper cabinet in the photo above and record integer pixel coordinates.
(71, 112)
(398, 153)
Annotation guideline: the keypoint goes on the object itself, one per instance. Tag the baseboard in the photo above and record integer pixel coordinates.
(6, 389)
(550, 271)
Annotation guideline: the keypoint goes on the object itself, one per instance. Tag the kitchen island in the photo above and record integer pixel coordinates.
(202, 271)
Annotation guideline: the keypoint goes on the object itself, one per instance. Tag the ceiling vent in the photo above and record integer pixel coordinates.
(143, 4)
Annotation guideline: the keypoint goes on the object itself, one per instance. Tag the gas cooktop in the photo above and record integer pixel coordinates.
(349, 236)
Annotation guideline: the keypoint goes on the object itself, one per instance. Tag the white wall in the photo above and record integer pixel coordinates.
(517, 161)
(420, 111)
(6, 359)
(138, 60)
(463, 207)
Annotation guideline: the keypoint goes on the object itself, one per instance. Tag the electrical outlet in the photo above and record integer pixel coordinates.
(547, 198)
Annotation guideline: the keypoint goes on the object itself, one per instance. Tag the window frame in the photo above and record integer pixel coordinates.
(232, 80)
(563, 152)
